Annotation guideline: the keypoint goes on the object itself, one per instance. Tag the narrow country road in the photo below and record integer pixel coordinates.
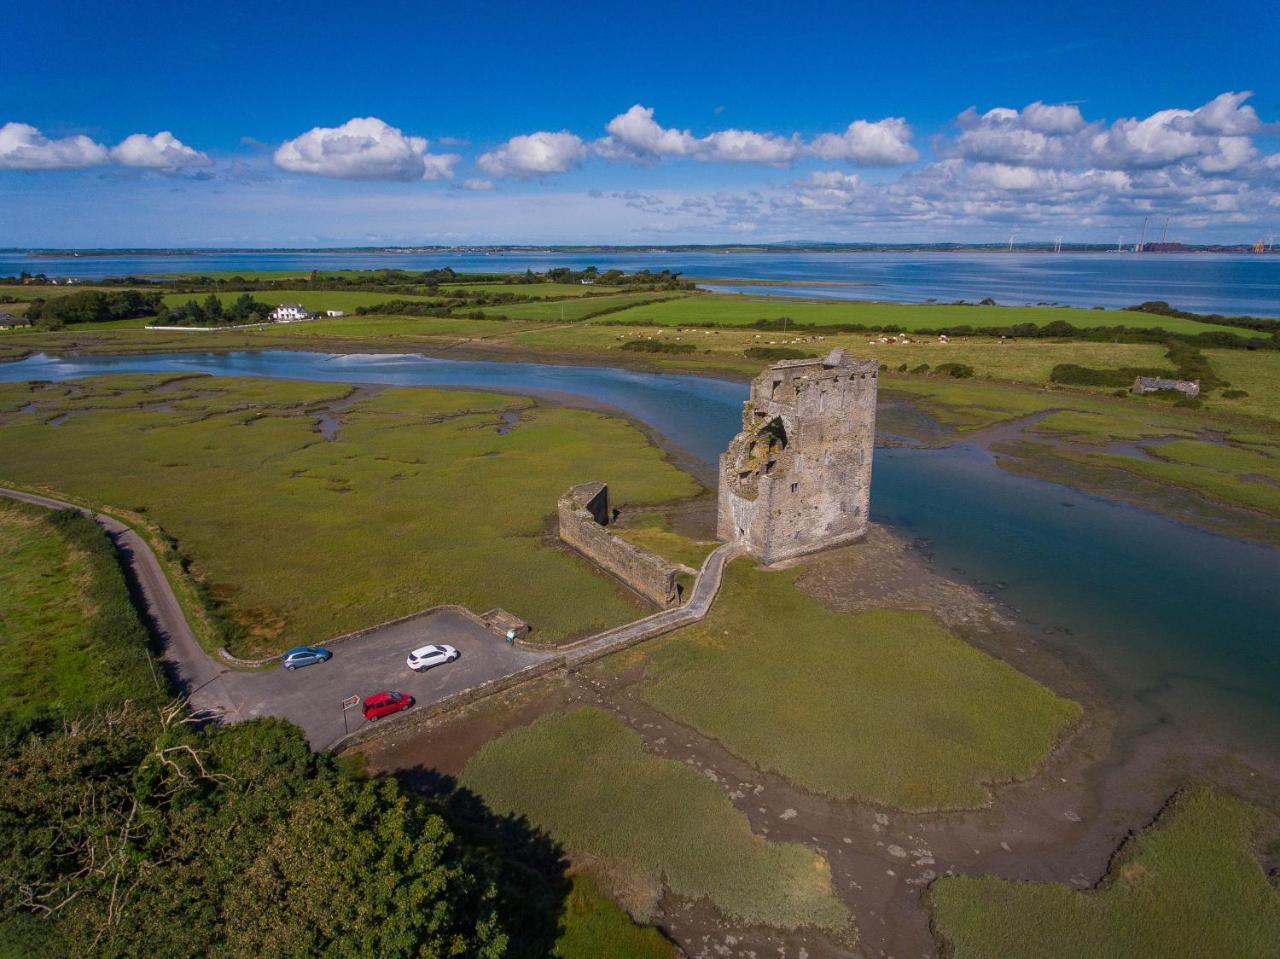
(190, 668)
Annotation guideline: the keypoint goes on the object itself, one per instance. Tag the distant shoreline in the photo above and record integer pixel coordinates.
(500, 250)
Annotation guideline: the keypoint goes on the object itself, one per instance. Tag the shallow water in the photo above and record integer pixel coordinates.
(1184, 620)
(1201, 282)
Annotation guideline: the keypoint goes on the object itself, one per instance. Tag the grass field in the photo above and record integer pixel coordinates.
(594, 927)
(70, 640)
(586, 780)
(537, 290)
(745, 310)
(1188, 887)
(573, 310)
(885, 706)
(424, 496)
(376, 326)
(347, 300)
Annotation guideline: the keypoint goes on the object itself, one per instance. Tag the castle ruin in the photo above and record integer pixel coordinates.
(585, 516)
(797, 479)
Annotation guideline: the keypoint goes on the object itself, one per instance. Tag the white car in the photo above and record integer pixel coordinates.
(427, 656)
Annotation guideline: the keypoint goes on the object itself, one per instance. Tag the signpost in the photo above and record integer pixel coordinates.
(347, 704)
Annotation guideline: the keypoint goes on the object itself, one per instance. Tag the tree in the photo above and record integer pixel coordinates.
(134, 834)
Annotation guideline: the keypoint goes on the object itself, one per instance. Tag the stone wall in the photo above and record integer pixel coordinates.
(584, 519)
(797, 479)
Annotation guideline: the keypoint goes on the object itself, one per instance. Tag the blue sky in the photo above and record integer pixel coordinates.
(264, 124)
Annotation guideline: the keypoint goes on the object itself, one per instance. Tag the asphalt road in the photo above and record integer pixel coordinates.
(312, 696)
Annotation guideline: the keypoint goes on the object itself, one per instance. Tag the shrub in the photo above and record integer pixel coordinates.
(1234, 394)
(959, 371)
(777, 353)
(922, 368)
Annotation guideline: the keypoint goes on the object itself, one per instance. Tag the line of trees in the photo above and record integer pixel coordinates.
(93, 306)
(211, 312)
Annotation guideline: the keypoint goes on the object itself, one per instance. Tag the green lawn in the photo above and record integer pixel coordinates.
(70, 641)
(885, 706)
(745, 310)
(593, 927)
(377, 326)
(537, 290)
(425, 496)
(573, 310)
(317, 300)
(1188, 887)
(585, 778)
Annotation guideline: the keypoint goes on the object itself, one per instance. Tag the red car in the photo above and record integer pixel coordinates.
(384, 704)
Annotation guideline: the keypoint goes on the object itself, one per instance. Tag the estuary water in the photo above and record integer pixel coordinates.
(1186, 621)
(1200, 282)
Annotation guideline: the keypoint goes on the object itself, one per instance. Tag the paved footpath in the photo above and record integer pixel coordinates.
(312, 697)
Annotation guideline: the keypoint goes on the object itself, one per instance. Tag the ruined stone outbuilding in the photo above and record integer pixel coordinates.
(797, 479)
(584, 520)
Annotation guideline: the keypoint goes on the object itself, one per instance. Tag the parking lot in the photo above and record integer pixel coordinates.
(312, 696)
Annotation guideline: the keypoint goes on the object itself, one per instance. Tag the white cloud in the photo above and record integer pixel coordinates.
(477, 184)
(535, 154)
(23, 147)
(1052, 118)
(748, 146)
(636, 135)
(163, 152)
(363, 149)
(885, 142)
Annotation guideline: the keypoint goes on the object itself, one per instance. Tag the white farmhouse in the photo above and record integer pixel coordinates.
(335, 312)
(289, 313)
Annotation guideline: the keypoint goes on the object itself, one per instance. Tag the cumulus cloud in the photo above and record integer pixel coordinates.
(476, 183)
(163, 152)
(886, 142)
(535, 154)
(23, 147)
(636, 135)
(364, 149)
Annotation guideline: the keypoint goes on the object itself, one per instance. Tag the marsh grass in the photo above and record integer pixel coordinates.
(885, 706)
(594, 927)
(1189, 886)
(421, 499)
(586, 779)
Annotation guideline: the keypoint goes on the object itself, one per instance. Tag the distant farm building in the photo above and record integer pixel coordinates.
(335, 313)
(8, 321)
(290, 313)
(1156, 384)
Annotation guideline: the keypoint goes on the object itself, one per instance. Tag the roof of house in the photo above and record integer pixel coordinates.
(8, 319)
(289, 306)
(1160, 383)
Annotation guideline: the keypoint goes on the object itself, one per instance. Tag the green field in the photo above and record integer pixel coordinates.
(587, 780)
(745, 310)
(347, 300)
(1188, 887)
(536, 290)
(70, 641)
(574, 310)
(424, 497)
(594, 927)
(885, 706)
(376, 326)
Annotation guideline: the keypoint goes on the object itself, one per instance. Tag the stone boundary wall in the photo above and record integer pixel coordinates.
(584, 517)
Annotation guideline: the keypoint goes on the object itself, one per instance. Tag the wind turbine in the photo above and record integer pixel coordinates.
(1012, 234)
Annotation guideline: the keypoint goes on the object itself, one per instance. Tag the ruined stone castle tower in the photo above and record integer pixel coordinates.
(798, 477)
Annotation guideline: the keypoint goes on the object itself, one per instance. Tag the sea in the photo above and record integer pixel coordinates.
(1224, 283)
